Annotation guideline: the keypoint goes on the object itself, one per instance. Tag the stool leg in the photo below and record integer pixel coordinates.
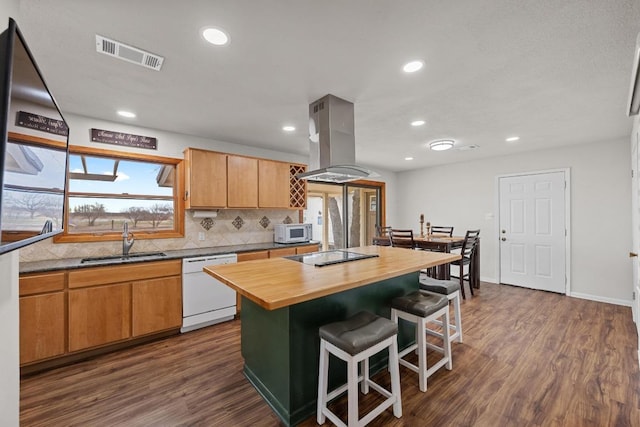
(458, 317)
(446, 341)
(364, 386)
(352, 387)
(422, 354)
(323, 374)
(395, 378)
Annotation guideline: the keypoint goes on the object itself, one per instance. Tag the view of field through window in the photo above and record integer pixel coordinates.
(104, 193)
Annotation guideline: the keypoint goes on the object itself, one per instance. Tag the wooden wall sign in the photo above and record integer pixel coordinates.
(41, 123)
(125, 139)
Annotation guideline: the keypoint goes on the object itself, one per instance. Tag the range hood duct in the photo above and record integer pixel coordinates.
(332, 145)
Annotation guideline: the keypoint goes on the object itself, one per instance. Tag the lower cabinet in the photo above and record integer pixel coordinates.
(99, 315)
(71, 311)
(275, 253)
(154, 305)
(42, 326)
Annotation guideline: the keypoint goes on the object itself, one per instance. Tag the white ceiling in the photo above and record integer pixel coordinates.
(552, 72)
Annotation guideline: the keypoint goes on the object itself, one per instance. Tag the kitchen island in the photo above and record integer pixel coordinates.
(284, 302)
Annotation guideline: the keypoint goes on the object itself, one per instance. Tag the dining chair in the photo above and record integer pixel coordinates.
(468, 254)
(440, 229)
(382, 231)
(402, 238)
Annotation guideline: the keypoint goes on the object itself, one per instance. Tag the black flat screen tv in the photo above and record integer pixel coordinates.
(33, 148)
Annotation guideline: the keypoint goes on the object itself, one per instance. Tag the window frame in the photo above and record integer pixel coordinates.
(104, 236)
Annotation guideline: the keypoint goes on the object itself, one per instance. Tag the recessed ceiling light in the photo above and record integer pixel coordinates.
(417, 123)
(215, 36)
(288, 128)
(413, 66)
(127, 114)
(441, 145)
(512, 138)
(408, 158)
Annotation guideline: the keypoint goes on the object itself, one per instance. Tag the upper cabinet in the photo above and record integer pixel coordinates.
(219, 180)
(273, 184)
(242, 182)
(206, 179)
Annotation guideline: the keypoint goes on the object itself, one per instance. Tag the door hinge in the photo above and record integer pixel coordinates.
(631, 173)
(633, 295)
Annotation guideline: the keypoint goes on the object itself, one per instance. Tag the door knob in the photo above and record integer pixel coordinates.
(504, 239)
(632, 254)
(503, 231)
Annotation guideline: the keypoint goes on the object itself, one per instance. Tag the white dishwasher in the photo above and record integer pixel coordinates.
(205, 300)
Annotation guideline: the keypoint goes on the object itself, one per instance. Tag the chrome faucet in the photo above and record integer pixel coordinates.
(126, 241)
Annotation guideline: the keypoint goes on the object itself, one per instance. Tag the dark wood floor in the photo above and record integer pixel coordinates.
(529, 358)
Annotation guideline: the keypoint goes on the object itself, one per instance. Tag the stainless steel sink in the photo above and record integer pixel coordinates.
(130, 257)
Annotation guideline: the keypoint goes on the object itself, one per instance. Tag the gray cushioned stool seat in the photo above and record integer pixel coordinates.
(443, 287)
(359, 332)
(420, 303)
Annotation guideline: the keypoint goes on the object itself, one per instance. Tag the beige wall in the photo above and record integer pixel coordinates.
(464, 195)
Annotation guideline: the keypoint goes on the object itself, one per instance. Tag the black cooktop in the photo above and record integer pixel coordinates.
(320, 259)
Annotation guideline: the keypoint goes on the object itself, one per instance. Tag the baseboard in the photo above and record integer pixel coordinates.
(489, 280)
(616, 301)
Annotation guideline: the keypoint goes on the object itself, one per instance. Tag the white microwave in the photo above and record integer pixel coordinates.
(291, 233)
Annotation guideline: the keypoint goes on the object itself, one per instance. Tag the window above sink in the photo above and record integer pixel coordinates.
(107, 188)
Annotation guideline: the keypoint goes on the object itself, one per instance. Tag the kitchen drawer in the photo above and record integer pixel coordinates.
(41, 282)
(123, 273)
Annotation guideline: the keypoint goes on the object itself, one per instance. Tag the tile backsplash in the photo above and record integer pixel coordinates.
(229, 227)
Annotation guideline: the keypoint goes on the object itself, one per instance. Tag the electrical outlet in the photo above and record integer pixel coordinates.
(201, 235)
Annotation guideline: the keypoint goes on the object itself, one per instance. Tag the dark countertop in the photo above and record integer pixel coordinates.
(72, 263)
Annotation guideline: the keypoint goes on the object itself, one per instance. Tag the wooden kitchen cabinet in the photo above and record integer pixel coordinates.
(307, 249)
(220, 180)
(156, 305)
(205, 179)
(273, 184)
(249, 256)
(274, 253)
(139, 299)
(42, 326)
(242, 182)
(42, 316)
(99, 315)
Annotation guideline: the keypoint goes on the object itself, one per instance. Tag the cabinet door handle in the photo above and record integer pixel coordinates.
(632, 254)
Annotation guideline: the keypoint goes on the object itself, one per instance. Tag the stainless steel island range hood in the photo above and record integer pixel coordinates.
(332, 145)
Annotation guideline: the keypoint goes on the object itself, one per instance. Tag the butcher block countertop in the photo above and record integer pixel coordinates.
(280, 282)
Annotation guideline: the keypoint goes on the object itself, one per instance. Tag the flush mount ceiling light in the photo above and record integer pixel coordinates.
(512, 139)
(215, 36)
(408, 158)
(288, 128)
(127, 114)
(441, 145)
(413, 66)
(417, 123)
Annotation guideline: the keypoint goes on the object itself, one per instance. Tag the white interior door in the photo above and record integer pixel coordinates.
(532, 231)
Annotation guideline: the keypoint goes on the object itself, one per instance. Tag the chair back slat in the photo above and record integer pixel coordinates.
(440, 229)
(402, 238)
(470, 243)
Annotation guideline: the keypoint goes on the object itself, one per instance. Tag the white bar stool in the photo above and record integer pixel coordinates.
(355, 340)
(451, 289)
(421, 307)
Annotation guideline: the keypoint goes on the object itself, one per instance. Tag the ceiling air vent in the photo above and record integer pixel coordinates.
(468, 147)
(128, 53)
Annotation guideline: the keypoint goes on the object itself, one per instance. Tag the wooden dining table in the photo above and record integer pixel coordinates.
(440, 243)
